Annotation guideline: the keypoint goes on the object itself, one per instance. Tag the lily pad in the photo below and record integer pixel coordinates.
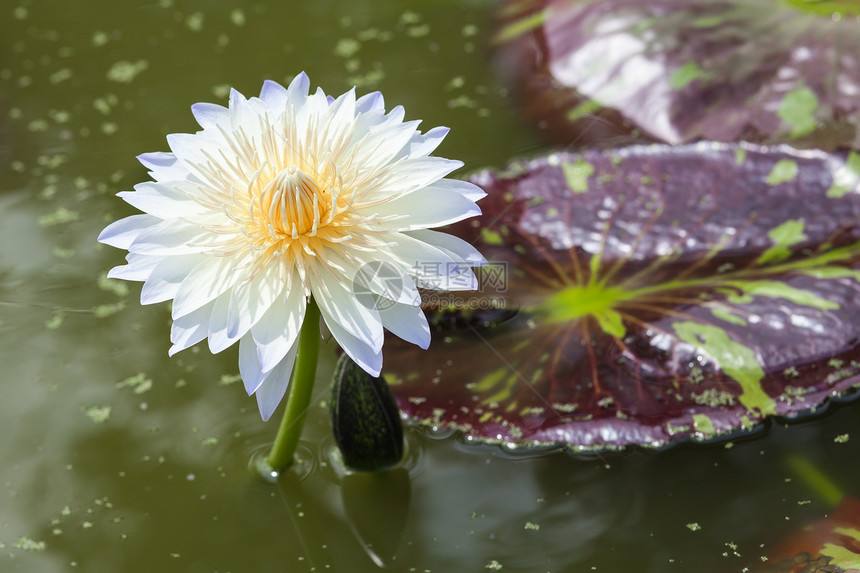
(679, 71)
(647, 295)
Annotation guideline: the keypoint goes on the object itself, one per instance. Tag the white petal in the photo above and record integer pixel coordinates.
(342, 112)
(370, 103)
(432, 268)
(419, 257)
(382, 146)
(339, 305)
(166, 277)
(424, 144)
(419, 172)
(245, 113)
(194, 150)
(210, 278)
(455, 247)
(273, 388)
(468, 190)
(170, 237)
(250, 300)
(139, 268)
(374, 122)
(249, 366)
(274, 95)
(369, 277)
(396, 115)
(190, 329)
(210, 115)
(407, 322)
(369, 359)
(279, 328)
(163, 166)
(164, 201)
(122, 233)
(314, 106)
(297, 92)
(206, 154)
(218, 338)
(424, 209)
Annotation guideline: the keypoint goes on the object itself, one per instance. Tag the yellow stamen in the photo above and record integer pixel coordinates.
(292, 204)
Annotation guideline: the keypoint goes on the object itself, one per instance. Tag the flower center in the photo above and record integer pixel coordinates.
(294, 203)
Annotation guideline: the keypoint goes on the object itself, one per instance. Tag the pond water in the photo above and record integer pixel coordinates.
(118, 458)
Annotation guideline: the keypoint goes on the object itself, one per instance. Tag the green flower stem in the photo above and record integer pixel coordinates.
(301, 388)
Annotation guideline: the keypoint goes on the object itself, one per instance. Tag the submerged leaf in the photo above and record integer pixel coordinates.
(683, 292)
(831, 545)
(679, 71)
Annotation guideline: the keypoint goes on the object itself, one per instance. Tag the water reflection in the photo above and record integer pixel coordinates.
(175, 510)
(372, 517)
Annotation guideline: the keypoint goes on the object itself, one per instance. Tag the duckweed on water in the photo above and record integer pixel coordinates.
(26, 544)
(139, 382)
(124, 72)
(98, 414)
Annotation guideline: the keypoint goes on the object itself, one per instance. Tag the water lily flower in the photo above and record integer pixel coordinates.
(284, 201)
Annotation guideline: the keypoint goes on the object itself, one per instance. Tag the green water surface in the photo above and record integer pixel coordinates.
(116, 458)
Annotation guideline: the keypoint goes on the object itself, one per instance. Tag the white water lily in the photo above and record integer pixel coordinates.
(285, 197)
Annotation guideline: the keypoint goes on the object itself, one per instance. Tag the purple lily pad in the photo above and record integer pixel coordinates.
(646, 295)
(677, 71)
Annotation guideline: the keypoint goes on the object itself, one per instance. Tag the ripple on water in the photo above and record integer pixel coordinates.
(413, 461)
(258, 464)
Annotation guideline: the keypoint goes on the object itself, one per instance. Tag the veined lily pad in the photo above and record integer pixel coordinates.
(646, 295)
(678, 71)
